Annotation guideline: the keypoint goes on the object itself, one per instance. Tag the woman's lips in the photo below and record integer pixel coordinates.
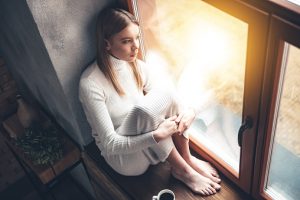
(135, 53)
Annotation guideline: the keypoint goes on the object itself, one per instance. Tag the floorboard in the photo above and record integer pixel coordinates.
(66, 189)
(157, 178)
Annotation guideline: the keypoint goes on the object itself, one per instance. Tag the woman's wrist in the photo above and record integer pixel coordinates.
(156, 136)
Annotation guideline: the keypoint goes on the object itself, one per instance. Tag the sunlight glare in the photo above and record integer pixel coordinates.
(210, 45)
(159, 70)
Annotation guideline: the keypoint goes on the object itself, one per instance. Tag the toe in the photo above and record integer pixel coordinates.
(214, 173)
(216, 186)
(206, 192)
(213, 190)
(216, 180)
(202, 192)
(209, 191)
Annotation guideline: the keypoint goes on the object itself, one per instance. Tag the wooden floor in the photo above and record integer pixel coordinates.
(143, 187)
(147, 185)
(10, 170)
(66, 189)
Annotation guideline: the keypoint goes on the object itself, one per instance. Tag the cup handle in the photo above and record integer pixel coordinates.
(155, 198)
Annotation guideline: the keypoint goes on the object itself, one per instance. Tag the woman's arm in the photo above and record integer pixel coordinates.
(109, 142)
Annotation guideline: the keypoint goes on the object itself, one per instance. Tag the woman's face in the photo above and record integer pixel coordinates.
(124, 45)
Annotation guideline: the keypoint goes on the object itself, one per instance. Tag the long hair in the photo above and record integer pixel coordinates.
(110, 22)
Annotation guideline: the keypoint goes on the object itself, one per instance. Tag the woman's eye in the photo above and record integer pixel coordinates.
(125, 41)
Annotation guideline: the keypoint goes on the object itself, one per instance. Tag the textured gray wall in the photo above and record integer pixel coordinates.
(68, 28)
(27, 58)
(47, 44)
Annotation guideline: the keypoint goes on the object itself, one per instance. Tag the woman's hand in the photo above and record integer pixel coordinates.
(165, 129)
(184, 120)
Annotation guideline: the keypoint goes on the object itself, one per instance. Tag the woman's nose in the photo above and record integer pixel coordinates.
(135, 44)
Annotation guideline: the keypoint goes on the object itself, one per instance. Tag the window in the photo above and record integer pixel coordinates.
(280, 176)
(283, 181)
(225, 58)
(297, 2)
(204, 49)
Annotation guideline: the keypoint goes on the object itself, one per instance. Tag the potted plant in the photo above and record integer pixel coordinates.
(43, 146)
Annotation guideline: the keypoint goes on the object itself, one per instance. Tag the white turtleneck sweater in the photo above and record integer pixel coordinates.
(105, 109)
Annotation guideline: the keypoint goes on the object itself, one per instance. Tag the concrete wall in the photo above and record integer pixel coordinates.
(46, 45)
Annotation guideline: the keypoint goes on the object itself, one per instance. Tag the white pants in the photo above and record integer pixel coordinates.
(145, 117)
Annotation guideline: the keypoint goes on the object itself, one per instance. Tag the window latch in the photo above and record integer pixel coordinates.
(247, 124)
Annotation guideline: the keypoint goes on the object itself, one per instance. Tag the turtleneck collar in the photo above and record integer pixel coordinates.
(117, 63)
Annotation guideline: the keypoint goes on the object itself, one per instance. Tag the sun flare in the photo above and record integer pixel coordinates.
(210, 46)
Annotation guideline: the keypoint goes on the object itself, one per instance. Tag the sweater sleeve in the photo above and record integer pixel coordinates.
(108, 141)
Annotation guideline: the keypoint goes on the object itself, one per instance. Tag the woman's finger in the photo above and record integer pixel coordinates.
(173, 118)
(181, 128)
(178, 119)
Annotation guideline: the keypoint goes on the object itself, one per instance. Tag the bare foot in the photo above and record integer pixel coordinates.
(196, 182)
(204, 168)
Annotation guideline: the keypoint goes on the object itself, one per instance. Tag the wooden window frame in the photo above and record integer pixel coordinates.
(271, 19)
(257, 20)
(280, 31)
(287, 4)
(254, 68)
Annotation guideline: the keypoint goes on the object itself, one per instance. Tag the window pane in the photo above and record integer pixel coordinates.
(284, 174)
(204, 51)
(297, 2)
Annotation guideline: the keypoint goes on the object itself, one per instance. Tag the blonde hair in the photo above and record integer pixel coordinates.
(110, 22)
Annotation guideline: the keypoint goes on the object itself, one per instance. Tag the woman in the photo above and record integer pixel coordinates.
(135, 125)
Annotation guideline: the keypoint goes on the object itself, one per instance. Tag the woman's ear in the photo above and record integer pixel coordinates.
(107, 45)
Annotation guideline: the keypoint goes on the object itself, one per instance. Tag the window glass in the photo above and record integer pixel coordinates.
(203, 51)
(284, 175)
(297, 2)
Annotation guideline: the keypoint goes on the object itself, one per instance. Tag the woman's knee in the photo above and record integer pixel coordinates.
(172, 102)
(157, 102)
(141, 110)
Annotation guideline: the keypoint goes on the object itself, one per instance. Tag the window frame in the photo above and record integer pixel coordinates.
(257, 33)
(287, 5)
(273, 14)
(280, 31)
(257, 20)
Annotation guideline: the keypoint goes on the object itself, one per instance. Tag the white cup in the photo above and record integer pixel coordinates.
(164, 195)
